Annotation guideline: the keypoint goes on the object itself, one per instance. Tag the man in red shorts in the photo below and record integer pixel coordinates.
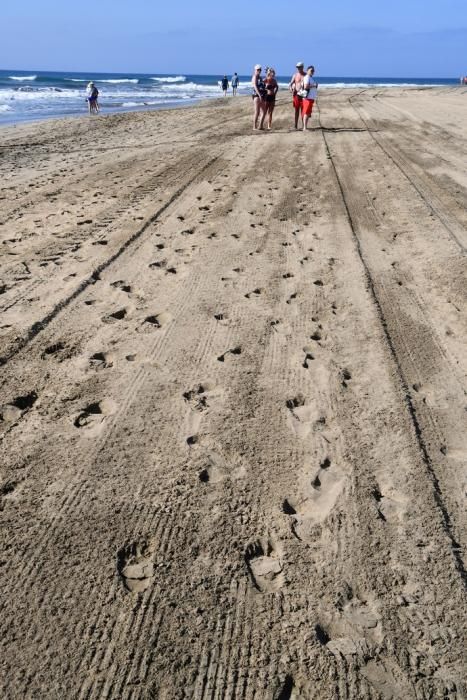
(294, 87)
(311, 87)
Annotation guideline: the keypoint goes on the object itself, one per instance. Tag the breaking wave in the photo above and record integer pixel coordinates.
(171, 79)
(118, 80)
(23, 77)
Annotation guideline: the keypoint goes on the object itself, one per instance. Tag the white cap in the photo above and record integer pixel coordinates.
(300, 63)
(257, 67)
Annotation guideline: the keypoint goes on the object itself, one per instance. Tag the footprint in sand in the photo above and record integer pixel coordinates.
(14, 410)
(302, 416)
(346, 376)
(309, 357)
(255, 293)
(233, 351)
(120, 284)
(317, 335)
(349, 629)
(115, 316)
(157, 264)
(286, 690)
(101, 360)
(92, 418)
(57, 350)
(264, 566)
(319, 492)
(390, 508)
(199, 400)
(155, 322)
(218, 469)
(279, 326)
(135, 566)
(198, 397)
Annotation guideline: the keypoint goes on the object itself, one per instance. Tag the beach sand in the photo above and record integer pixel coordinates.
(233, 402)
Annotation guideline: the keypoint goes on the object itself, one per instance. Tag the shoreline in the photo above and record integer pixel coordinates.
(111, 112)
(5, 121)
(233, 389)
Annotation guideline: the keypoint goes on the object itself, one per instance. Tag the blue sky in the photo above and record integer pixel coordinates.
(398, 38)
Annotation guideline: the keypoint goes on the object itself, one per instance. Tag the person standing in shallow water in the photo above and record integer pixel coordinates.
(294, 87)
(225, 85)
(258, 95)
(92, 93)
(234, 82)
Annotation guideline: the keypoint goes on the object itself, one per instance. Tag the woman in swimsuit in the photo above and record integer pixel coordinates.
(258, 95)
(92, 94)
(271, 91)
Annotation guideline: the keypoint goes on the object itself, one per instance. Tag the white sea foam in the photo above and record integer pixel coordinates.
(22, 77)
(189, 86)
(171, 79)
(5, 108)
(119, 80)
(41, 94)
(78, 80)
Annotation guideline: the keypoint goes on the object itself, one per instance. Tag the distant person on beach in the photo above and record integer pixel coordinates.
(92, 94)
(225, 85)
(310, 87)
(295, 86)
(234, 84)
(272, 87)
(258, 94)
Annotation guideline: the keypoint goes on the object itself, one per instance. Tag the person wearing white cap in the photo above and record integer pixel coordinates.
(258, 94)
(310, 87)
(295, 86)
(92, 93)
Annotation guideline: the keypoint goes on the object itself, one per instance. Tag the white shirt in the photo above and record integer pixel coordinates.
(310, 84)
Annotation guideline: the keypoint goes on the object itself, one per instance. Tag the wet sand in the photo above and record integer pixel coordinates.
(233, 402)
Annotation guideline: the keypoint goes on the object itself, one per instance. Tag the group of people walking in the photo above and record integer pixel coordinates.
(303, 87)
(234, 83)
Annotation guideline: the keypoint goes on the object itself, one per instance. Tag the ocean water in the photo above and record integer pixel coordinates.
(26, 95)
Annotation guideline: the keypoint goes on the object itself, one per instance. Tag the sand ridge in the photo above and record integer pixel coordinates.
(232, 407)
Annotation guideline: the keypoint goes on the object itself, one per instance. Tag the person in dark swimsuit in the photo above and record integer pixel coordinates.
(272, 87)
(92, 94)
(258, 94)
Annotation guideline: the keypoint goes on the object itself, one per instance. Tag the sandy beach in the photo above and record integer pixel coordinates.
(233, 402)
